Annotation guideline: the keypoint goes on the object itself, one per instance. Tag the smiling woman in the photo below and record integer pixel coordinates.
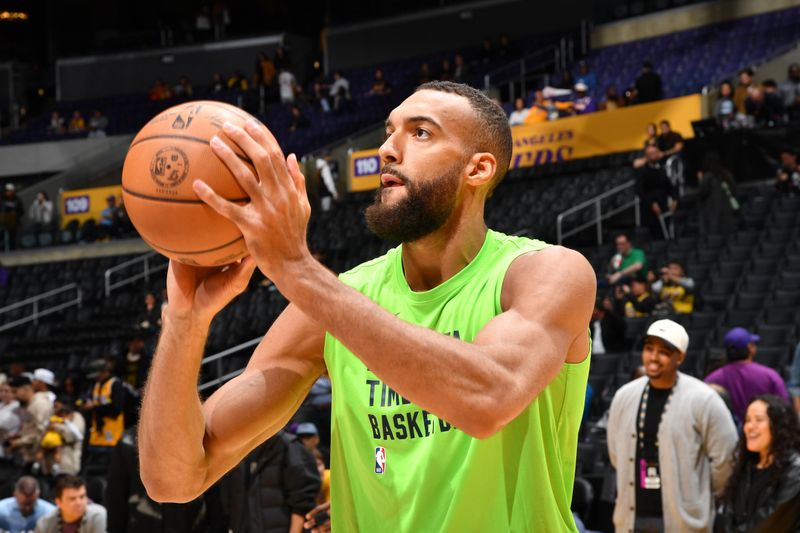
(763, 493)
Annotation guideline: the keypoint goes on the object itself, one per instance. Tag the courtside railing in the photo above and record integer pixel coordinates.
(600, 214)
(151, 262)
(39, 306)
(218, 357)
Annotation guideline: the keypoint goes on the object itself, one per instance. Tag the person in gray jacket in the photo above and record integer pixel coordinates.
(74, 513)
(671, 440)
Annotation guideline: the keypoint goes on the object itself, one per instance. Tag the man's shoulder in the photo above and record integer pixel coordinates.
(368, 269)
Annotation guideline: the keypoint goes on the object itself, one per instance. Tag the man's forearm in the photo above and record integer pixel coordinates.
(172, 425)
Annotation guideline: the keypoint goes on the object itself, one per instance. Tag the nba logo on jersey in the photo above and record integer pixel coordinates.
(380, 460)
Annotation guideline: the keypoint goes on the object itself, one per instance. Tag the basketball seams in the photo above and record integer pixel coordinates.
(188, 138)
(214, 249)
(176, 200)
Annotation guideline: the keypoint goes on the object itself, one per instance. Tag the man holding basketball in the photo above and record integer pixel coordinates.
(458, 360)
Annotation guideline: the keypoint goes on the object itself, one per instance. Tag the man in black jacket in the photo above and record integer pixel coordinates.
(274, 487)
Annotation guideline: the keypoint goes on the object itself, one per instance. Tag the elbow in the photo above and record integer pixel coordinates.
(487, 420)
(165, 490)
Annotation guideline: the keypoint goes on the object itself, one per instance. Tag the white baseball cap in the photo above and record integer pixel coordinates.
(45, 376)
(670, 332)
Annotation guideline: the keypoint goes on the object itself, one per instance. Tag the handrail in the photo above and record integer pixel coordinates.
(596, 202)
(37, 312)
(520, 69)
(218, 357)
(127, 281)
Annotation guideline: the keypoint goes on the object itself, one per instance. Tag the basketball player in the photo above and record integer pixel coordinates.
(459, 360)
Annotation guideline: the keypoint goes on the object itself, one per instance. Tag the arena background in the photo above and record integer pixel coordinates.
(72, 288)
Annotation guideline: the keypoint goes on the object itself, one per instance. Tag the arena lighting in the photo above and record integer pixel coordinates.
(10, 16)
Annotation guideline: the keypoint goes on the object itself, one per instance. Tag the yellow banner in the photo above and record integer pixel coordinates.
(365, 170)
(83, 204)
(603, 132)
(599, 133)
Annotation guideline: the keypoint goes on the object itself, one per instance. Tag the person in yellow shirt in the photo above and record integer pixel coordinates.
(675, 288)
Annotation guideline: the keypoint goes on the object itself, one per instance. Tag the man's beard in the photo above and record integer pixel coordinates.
(425, 208)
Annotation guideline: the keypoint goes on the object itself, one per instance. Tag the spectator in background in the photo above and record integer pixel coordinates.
(446, 71)
(217, 84)
(787, 179)
(308, 435)
(98, 123)
(656, 192)
(763, 106)
(109, 218)
(741, 377)
(133, 367)
(149, 319)
(11, 213)
(35, 418)
(71, 427)
(238, 82)
(19, 513)
(608, 328)
(74, 513)
(56, 126)
(636, 298)
(790, 91)
(43, 381)
(287, 84)
(541, 110)
(583, 102)
(763, 493)
(742, 90)
(184, 88)
(339, 91)
(519, 114)
(380, 87)
(327, 173)
(274, 487)
(9, 417)
(717, 203)
(675, 288)
(40, 212)
(281, 59)
(671, 441)
(613, 100)
(460, 69)
(159, 91)
(586, 77)
(265, 70)
(106, 406)
(670, 142)
(424, 75)
(651, 139)
(725, 108)
(627, 262)
(648, 85)
(299, 120)
(324, 495)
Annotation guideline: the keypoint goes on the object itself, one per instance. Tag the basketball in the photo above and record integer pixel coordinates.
(167, 155)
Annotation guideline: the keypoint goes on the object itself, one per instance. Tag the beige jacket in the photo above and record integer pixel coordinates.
(697, 438)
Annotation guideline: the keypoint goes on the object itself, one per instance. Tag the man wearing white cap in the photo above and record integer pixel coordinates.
(43, 381)
(671, 440)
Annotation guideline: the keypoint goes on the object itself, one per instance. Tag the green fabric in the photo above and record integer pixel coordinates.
(635, 256)
(436, 477)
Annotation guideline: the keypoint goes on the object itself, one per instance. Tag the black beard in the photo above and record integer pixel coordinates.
(425, 209)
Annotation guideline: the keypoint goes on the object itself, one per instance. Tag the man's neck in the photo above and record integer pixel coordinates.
(664, 382)
(434, 259)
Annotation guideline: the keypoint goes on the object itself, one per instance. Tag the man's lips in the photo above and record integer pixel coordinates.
(390, 180)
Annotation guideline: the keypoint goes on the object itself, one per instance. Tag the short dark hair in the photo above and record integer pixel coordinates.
(494, 135)
(67, 481)
(27, 485)
(665, 121)
(747, 71)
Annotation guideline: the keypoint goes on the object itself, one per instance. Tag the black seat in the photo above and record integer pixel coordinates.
(774, 335)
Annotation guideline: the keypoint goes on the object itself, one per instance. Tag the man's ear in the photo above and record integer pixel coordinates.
(483, 167)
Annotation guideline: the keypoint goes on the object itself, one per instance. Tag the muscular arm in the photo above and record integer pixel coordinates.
(481, 386)
(186, 444)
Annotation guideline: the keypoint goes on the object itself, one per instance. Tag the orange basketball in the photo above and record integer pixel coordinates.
(164, 159)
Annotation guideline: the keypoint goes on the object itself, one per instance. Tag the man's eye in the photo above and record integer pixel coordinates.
(422, 133)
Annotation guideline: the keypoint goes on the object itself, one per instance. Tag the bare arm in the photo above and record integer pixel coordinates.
(479, 387)
(186, 444)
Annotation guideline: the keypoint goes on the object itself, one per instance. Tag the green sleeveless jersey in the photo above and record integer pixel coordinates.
(396, 467)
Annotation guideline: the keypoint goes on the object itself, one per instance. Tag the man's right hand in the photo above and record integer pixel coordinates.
(318, 519)
(199, 293)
